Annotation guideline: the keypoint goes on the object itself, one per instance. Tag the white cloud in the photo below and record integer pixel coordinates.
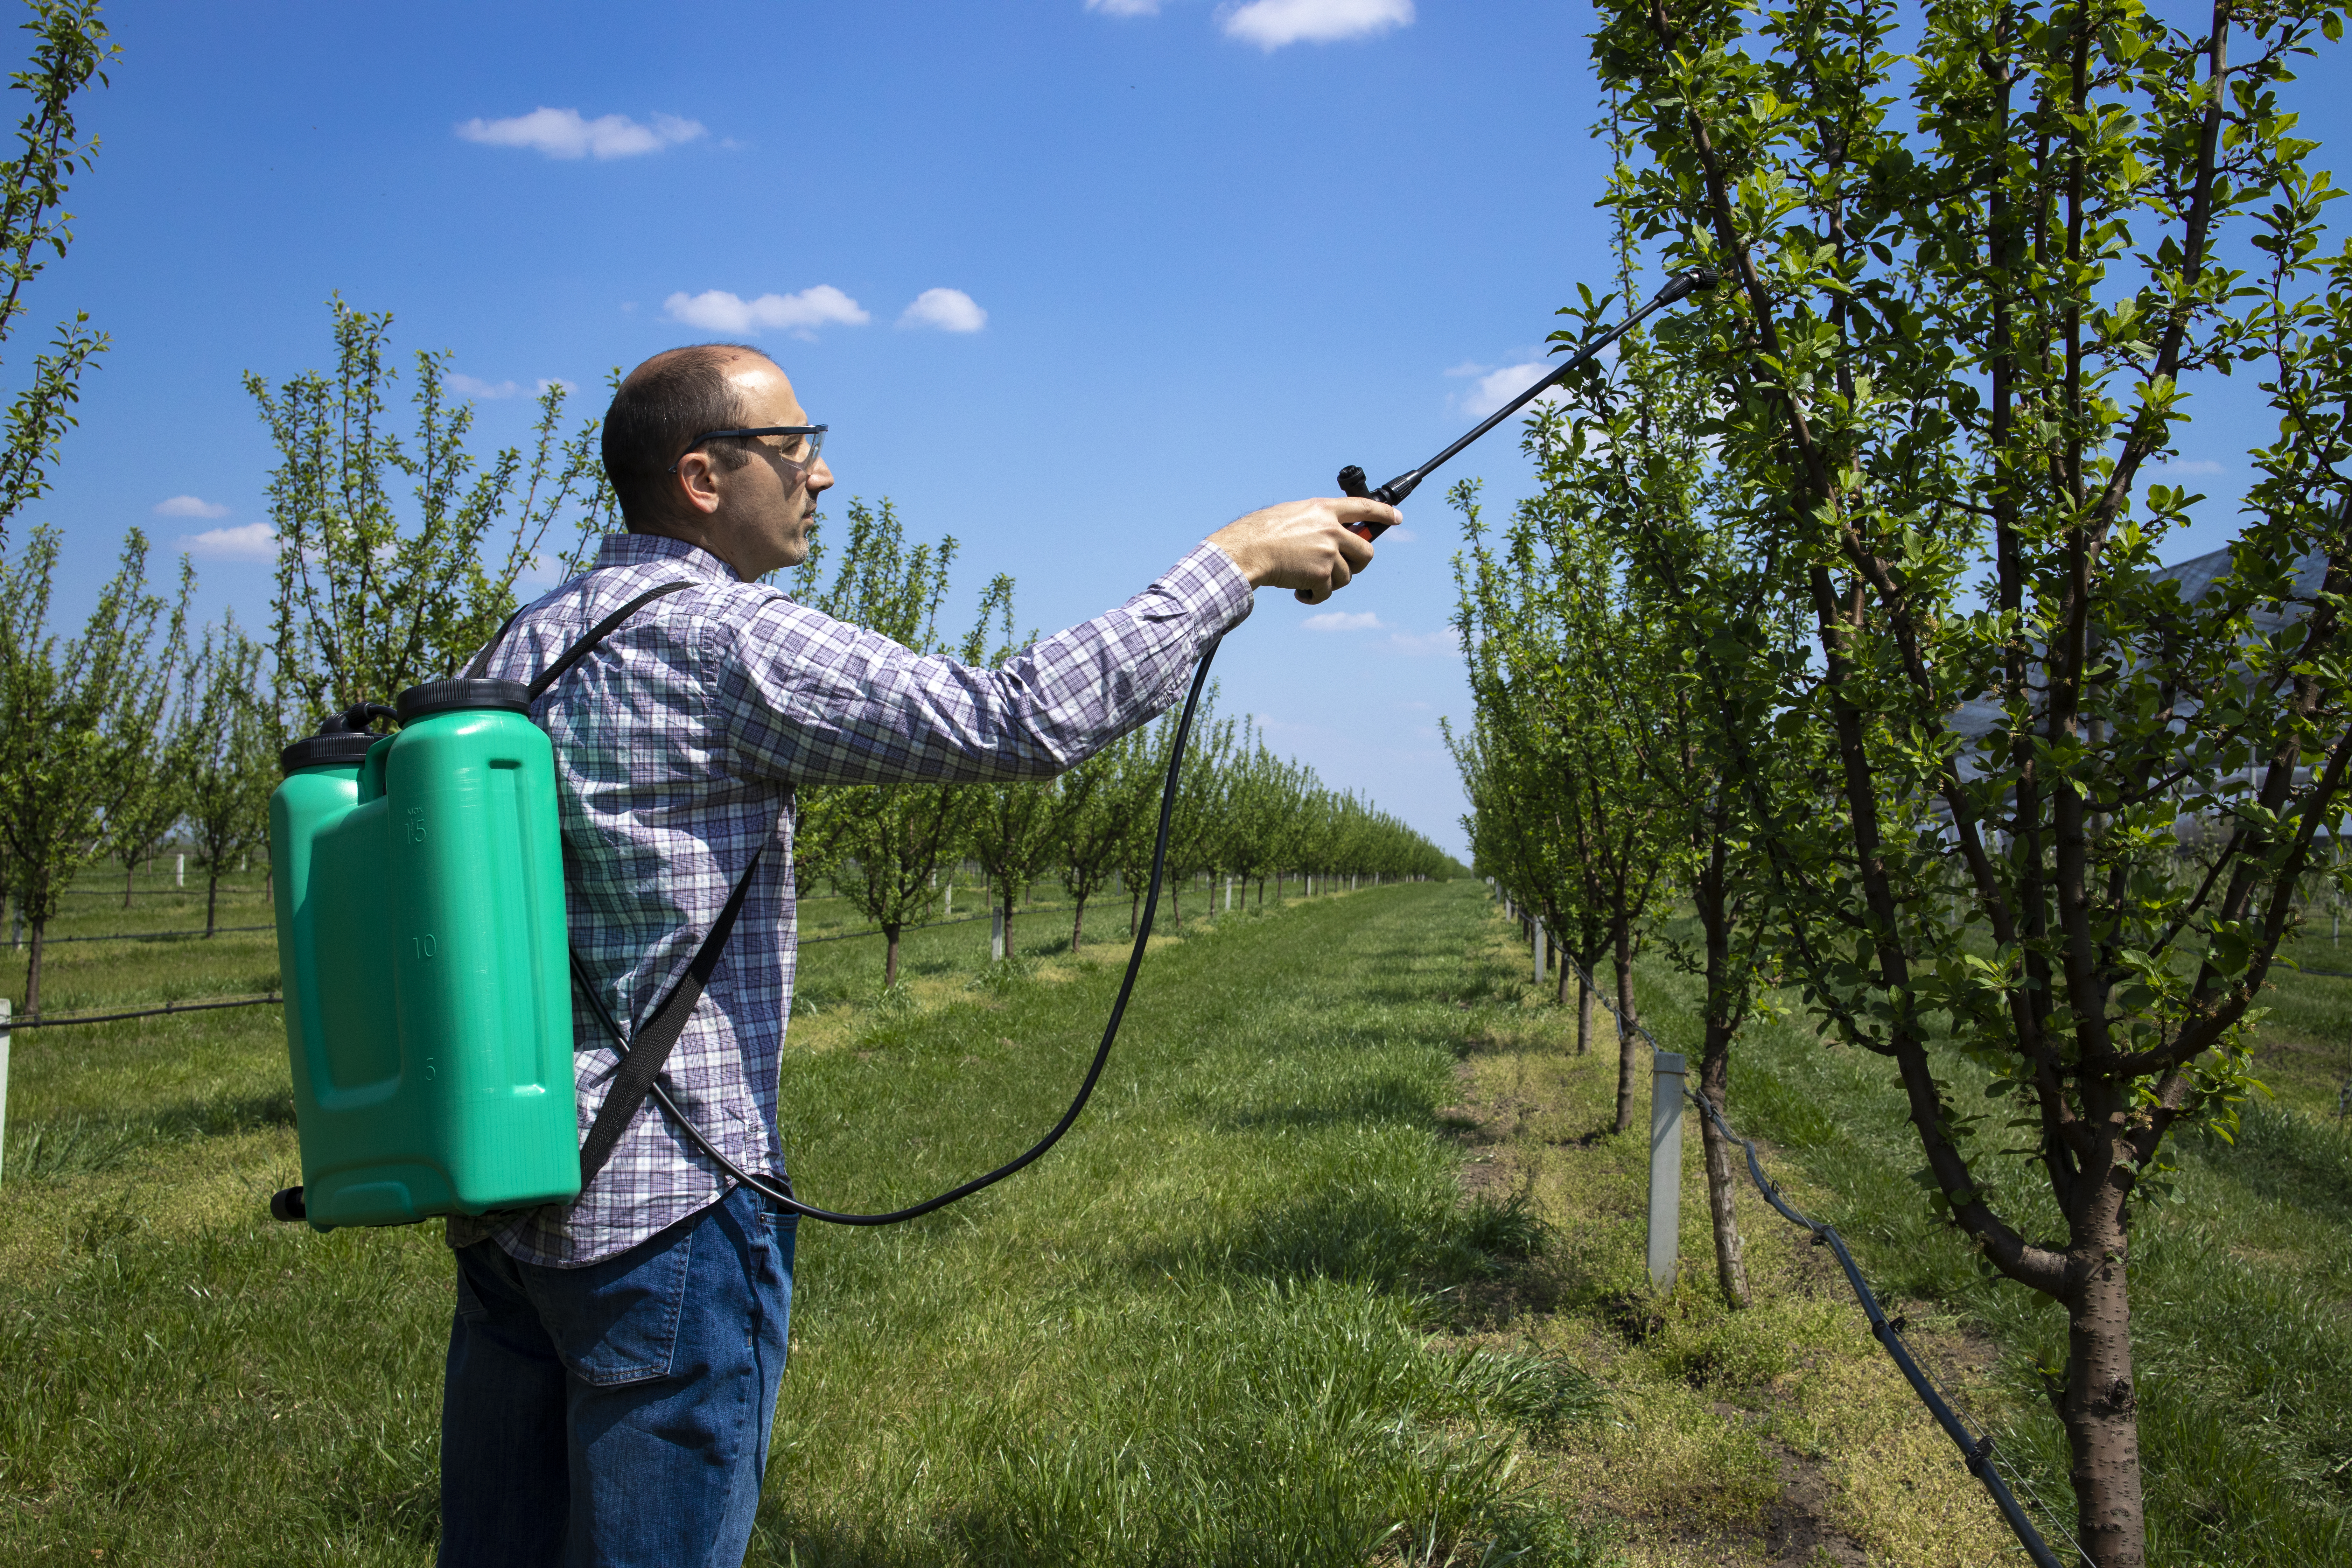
(1400, 534)
(538, 574)
(1496, 387)
(1125, 7)
(949, 310)
(563, 133)
(2201, 465)
(246, 541)
(1425, 643)
(464, 386)
(190, 506)
(1270, 24)
(716, 311)
(1344, 621)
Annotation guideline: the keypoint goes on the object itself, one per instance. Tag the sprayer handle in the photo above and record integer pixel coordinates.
(1352, 483)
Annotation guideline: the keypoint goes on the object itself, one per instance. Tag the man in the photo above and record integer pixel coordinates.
(614, 1361)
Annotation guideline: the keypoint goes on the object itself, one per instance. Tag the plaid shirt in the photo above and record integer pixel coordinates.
(678, 742)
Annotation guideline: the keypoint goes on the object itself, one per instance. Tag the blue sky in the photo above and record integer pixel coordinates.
(1076, 282)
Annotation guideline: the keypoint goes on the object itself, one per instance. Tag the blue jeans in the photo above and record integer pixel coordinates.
(617, 1414)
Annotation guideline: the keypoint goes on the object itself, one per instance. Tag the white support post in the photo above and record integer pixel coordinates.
(996, 931)
(948, 912)
(1665, 1166)
(6, 1008)
(1229, 892)
(180, 873)
(1543, 952)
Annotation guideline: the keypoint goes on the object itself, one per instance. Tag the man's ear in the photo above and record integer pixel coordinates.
(698, 483)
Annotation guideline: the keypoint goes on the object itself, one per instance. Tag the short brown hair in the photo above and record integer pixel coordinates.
(660, 407)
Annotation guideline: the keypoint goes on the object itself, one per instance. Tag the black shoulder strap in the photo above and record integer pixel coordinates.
(649, 1051)
(572, 655)
(643, 1057)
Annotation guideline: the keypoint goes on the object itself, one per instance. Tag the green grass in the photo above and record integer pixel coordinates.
(1244, 1314)
(1210, 1327)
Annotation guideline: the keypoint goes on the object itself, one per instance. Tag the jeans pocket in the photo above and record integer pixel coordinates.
(468, 1304)
(616, 1321)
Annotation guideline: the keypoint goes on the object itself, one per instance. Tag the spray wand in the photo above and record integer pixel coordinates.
(1351, 478)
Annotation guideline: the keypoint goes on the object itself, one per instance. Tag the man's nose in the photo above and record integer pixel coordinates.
(820, 477)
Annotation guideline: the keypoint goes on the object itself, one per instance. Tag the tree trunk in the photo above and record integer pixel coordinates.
(2100, 1406)
(1077, 928)
(33, 970)
(1261, 892)
(1629, 1044)
(890, 956)
(1731, 1262)
(130, 870)
(1176, 904)
(1710, 894)
(1585, 997)
(212, 895)
(1008, 926)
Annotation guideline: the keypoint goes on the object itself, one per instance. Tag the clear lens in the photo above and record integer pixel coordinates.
(800, 451)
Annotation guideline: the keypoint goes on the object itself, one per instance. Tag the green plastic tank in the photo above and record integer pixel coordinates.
(421, 935)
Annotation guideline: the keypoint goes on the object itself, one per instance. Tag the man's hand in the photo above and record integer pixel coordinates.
(1302, 544)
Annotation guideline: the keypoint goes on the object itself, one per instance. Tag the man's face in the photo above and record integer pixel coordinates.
(758, 515)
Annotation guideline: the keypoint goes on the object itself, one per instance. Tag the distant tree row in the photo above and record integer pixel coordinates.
(135, 729)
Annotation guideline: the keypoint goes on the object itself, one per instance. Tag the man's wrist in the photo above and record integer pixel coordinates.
(1235, 555)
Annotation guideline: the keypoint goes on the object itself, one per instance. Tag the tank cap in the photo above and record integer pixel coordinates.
(449, 696)
(342, 741)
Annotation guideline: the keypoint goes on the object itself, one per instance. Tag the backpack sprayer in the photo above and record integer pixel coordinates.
(428, 969)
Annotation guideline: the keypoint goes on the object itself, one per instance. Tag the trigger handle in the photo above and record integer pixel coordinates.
(1352, 483)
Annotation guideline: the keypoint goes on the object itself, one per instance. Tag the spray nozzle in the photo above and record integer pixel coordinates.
(1698, 279)
(1351, 478)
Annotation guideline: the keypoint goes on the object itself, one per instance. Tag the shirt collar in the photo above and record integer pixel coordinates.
(642, 549)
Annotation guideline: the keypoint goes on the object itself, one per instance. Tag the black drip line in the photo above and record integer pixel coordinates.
(1976, 1447)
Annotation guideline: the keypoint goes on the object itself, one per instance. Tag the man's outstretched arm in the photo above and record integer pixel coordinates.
(812, 700)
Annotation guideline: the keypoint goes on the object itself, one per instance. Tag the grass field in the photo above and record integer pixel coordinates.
(1340, 1267)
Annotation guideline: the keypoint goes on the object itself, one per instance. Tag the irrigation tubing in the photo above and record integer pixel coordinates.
(845, 936)
(35, 1021)
(778, 1189)
(1976, 1448)
(851, 936)
(156, 935)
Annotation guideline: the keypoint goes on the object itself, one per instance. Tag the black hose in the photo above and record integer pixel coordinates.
(779, 1191)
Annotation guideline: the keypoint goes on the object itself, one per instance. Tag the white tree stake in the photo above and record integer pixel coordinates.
(1665, 1166)
(7, 1009)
